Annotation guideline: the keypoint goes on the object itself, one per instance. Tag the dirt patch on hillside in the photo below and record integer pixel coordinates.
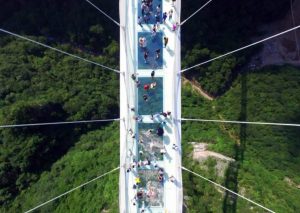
(201, 154)
(291, 183)
(197, 87)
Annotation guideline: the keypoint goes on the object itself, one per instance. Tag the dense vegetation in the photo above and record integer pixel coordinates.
(42, 86)
(267, 157)
(95, 153)
(39, 85)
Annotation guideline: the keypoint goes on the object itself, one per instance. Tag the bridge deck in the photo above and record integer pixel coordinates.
(140, 139)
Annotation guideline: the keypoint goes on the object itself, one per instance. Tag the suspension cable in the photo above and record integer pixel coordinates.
(240, 122)
(71, 190)
(196, 12)
(57, 50)
(219, 185)
(103, 13)
(57, 123)
(242, 48)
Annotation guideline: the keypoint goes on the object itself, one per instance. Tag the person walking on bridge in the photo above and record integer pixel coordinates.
(158, 9)
(154, 30)
(166, 40)
(157, 53)
(152, 74)
(146, 57)
(165, 15)
(140, 21)
(170, 14)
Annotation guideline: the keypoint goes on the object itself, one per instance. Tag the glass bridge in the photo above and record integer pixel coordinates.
(150, 179)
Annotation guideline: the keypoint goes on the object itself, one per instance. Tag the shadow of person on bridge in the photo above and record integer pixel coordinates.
(231, 180)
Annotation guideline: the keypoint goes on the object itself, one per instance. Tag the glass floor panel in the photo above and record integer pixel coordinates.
(153, 43)
(152, 11)
(151, 189)
(154, 97)
(149, 142)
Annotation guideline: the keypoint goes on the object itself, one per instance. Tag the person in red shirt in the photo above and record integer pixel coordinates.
(146, 87)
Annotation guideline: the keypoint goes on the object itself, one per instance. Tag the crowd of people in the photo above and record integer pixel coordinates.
(143, 44)
(148, 11)
(148, 87)
(150, 192)
(144, 192)
(150, 14)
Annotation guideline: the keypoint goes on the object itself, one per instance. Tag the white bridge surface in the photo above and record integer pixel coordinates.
(170, 72)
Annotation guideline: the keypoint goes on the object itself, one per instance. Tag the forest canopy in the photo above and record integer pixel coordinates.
(39, 85)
